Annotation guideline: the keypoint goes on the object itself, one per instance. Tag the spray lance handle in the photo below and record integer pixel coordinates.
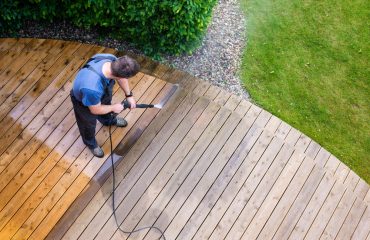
(126, 105)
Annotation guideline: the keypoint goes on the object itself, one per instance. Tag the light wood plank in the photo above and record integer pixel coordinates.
(352, 220)
(222, 97)
(332, 165)
(342, 172)
(302, 142)
(43, 81)
(292, 136)
(232, 102)
(243, 107)
(367, 198)
(283, 130)
(339, 216)
(361, 189)
(322, 158)
(187, 183)
(260, 157)
(312, 208)
(212, 92)
(363, 227)
(7, 43)
(286, 201)
(274, 196)
(222, 182)
(325, 212)
(40, 189)
(351, 180)
(21, 60)
(188, 163)
(169, 170)
(12, 54)
(134, 173)
(277, 161)
(28, 125)
(312, 149)
(300, 203)
(273, 124)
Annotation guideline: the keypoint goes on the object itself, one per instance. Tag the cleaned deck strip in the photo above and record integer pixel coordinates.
(12, 54)
(37, 131)
(38, 105)
(7, 43)
(24, 56)
(71, 183)
(42, 162)
(29, 82)
(42, 189)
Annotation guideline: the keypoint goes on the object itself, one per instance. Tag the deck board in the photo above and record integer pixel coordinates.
(209, 165)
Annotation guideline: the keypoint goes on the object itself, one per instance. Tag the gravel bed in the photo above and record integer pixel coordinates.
(217, 59)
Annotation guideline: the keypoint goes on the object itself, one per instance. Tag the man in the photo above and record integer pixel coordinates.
(92, 95)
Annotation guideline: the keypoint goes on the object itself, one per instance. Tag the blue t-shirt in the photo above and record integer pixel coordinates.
(88, 86)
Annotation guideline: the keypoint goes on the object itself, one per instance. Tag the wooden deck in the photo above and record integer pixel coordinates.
(208, 166)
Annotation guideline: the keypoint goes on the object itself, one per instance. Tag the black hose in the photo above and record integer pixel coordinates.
(113, 191)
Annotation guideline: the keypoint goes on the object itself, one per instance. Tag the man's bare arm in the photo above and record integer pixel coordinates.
(123, 83)
(100, 109)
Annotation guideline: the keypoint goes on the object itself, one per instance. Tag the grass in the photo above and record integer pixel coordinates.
(307, 63)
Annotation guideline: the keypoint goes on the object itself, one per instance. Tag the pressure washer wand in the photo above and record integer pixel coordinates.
(139, 105)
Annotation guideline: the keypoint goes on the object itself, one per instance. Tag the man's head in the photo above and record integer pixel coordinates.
(124, 67)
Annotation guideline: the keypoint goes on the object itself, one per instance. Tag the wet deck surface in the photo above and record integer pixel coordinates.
(209, 165)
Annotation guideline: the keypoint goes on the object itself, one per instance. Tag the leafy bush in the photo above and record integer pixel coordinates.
(156, 26)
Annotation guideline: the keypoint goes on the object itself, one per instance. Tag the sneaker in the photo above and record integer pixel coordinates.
(97, 152)
(121, 122)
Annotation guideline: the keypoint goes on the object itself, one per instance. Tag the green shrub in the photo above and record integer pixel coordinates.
(156, 26)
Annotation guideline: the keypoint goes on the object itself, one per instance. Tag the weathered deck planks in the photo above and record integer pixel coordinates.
(208, 166)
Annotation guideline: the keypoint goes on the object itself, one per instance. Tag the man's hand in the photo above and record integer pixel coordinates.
(132, 102)
(117, 108)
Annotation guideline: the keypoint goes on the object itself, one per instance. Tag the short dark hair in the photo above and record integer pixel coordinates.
(125, 67)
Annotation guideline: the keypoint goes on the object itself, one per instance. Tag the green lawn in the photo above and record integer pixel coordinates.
(307, 62)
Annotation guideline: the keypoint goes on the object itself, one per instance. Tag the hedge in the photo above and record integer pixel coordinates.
(156, 26)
